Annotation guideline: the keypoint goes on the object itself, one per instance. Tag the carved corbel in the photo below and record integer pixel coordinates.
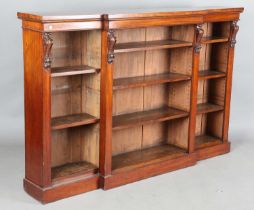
(199, 34)
(111, 46)
(47, 45)
(233, 31)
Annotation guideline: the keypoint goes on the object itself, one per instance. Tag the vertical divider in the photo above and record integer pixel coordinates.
(194, 85)
(107, 57)
(232, 41)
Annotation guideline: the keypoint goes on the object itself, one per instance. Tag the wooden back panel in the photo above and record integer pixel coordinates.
(76, 94)
(155, 96)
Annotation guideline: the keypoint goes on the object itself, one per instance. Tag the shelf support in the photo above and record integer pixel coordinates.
(199, 34)
(234, 28)
(111, 46)
(47, 46)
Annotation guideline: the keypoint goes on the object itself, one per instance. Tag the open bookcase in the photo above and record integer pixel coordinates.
(75, 104)
(112, 99)
(151, 95)
(213, 67)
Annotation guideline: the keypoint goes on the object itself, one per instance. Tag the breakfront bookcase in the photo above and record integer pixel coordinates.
(115, 98)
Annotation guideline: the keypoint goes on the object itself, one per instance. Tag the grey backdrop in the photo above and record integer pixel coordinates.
(222, 183)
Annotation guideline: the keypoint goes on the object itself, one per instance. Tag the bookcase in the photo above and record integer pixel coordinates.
(114, 98)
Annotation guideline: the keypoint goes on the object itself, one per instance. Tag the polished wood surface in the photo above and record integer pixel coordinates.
(115, 97)
(140, 158)
(72, 121)
(73, 169)
(150, 45)
(146, 117)
(208, 107)
(72, 70)
(206, 141)
(212, 39)
(141, 81)
(210, 74)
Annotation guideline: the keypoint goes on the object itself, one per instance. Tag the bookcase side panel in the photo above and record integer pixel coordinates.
(37, 110)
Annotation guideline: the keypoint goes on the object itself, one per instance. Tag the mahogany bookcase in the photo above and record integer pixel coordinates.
(114, 98)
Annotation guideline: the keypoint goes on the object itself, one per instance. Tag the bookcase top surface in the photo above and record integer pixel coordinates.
(89, 15)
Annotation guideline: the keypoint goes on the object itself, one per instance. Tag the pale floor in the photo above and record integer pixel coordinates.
(225, 182)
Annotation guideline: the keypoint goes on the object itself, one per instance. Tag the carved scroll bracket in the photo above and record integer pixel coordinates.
(47, 46)
(111, 46)
(199, 34)
(233, 31)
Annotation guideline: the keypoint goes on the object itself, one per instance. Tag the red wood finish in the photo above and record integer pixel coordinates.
(156, 160)
(60, 191)
(37, 110)
(194, 86)
(154, 169)
(213, 151)
(233, 30)
(106, 104)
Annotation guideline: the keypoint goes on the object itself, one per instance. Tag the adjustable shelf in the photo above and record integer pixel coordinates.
(208, 107)
(73, 170)
(205, 141)
(213, 39)
(209, 74)
(72, 70)
(142, 81)
(141, 158)
(72, 121)
(146, 117)
(150, 45)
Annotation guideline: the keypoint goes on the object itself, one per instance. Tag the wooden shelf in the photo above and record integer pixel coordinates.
(146, 117)
(72, 70)
(213, 39)
(141, 158)
(208, 74)
(72, 121)
(150, 45)
(73, 170)
(142, 81)
(208, 107)
(206, 141)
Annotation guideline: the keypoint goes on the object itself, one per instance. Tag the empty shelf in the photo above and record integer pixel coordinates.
(207, 74)
(150, 45)
(140, 158)
(208, 107)
(72, 70)
(206, 141)
(145, 117)
(140, 81)
(213, 39)
(72, 170)
(72, 121)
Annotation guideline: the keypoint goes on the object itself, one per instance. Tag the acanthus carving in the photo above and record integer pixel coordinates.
(111, 46)
(47, 46)
(233, 31)
(199, 36)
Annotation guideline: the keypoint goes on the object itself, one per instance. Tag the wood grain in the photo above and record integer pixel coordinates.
(146, 117)
(72, 121)
(210, 74)
(206, 141)
(142, 81)
(73, 169)
(213, 39)
(140, 158)
(158, 108)
(150, 45)
(72, 70)
(208, 107)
